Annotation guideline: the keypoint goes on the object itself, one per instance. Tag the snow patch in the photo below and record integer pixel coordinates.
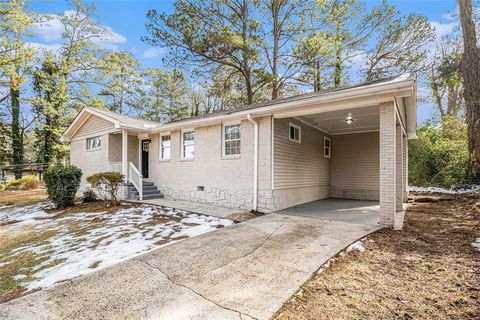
(470, 189)
(87, 241)
(476, 244)
(357, 246)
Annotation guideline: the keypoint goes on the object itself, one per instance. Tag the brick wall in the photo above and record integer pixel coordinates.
(387, 164)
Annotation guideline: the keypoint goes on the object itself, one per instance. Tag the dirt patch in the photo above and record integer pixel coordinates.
(97, 206)
(22, 197)
(427, 271)
(168, 239)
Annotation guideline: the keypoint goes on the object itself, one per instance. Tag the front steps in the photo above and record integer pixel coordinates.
(150, 191)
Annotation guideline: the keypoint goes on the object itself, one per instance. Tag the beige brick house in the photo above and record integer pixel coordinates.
(344, 143)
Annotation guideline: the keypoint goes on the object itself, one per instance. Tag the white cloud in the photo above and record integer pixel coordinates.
(50, 29)
(41, 47)
(111, 40)
(356, 61)
(443, 29)
(153, 52)
(449, 16)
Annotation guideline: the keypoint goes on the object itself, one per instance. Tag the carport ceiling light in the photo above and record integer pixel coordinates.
(349, 119)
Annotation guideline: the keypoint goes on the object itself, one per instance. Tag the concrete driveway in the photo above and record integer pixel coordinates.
(246, 271)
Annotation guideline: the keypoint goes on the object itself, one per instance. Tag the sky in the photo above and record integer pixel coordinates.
(126, 19)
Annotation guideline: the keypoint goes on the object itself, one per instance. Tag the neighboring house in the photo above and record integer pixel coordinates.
(345, 143)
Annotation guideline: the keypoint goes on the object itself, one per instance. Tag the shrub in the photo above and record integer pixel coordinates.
(108, 182)
(62, 183)
(26, 183)
(439, 156)
(89, 196)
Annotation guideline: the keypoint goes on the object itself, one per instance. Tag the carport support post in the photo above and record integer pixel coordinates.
(388, 123)
(405, 168)
(399, 168)
(124, 154)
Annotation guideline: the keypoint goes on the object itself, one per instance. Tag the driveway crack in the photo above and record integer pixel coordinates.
(250, 252)
(240, 314)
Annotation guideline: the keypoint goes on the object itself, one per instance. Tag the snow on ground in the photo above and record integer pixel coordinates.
(357, 246)
(83, 242)
(442, 190)
(476, 244)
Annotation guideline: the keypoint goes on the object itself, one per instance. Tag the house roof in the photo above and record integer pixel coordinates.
(119, 121)
(325, 92)
(389, 89)
(127, 120)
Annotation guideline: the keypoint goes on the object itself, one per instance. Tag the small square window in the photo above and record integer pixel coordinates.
(94, 143)
(327, 147)
(294, 133)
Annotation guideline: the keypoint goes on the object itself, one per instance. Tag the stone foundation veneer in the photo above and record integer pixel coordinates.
(222, 197)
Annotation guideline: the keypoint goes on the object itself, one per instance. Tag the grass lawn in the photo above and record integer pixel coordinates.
(430, 270)
(41, 246)
(20, 197)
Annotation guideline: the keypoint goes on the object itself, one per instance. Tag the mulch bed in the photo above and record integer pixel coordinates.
(430, 270)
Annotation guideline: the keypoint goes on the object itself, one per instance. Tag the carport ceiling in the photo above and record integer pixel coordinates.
(365, 119)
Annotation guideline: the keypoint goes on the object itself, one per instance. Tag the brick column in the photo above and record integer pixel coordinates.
(387, 164)
(399, 168)
(405, 168)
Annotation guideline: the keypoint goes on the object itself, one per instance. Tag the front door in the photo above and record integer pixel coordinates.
(145, 148)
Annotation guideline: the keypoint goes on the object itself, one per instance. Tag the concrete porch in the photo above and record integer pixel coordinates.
(362, 212)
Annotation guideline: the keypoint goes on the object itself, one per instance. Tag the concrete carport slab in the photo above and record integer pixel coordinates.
(246, 271)
(346, 210)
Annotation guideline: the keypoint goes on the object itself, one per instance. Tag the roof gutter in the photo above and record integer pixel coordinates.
(255, 163)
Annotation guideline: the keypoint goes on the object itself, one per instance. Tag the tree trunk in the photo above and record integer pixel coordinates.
(337, 77)
(471, 81)
(317, 77)
(15, 132)
(276, 35)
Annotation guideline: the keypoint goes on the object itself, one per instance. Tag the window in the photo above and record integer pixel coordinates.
(294, 133)
(165, 147)
(327, 147)
(188, 145)
(231, 140)
(94, 143)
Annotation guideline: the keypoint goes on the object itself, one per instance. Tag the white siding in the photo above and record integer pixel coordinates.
(115, 149)
(355, 166)
(301, 172)
(92, 126)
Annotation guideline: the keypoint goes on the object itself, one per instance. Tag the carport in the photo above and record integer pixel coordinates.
(363, 212)
(345, 158)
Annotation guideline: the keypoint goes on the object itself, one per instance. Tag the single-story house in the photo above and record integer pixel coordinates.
(348, 142)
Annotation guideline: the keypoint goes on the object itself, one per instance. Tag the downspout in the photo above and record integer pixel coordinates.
(255, 162)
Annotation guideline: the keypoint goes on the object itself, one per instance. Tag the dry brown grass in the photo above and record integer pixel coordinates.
(22, 197)
(427, 271)
(10, 265)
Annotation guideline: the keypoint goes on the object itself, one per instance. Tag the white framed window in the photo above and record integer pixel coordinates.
(231, 140)
(188, 144)
(165, 147)
(94, 143)
(294, 133)
(327, 147)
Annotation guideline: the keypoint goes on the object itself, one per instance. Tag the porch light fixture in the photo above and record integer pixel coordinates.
(349, 119)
